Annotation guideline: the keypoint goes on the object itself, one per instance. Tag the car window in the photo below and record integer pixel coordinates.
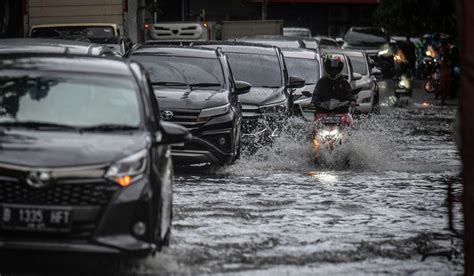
(328, 42)
(184, 70)
(69, 99)
(366, 36)
(258, 70)
(66, 31)
(308, 69)
(359, 64)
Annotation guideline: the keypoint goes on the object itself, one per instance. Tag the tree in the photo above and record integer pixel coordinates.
(416, 17)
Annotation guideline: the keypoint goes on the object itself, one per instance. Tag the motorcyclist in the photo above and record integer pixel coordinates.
(333, 85)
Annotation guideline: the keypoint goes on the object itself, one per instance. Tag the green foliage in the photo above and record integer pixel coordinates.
(416, 17)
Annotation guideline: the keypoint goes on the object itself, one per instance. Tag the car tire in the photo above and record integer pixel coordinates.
(165, 241)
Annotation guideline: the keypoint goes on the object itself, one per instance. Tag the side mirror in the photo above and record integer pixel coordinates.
(296, 82)
(242, 87)
(307, 94)
(356, 76)
(376, 72)
(173, 134)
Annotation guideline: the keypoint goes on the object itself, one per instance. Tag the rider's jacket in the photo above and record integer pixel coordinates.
(328, 89)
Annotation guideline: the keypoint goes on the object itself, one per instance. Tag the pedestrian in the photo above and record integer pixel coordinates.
(445, 72)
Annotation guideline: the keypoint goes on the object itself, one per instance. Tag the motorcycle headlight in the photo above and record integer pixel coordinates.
(128, 170)
(402, 84)
(334, 132)
(214, 111)
(274, 108)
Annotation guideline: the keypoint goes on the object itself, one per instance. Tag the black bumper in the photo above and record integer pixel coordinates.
(95, 229)
(205, 149)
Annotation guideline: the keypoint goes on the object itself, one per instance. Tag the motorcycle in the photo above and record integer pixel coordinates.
(333, 119)
(403, 77)
(432, 75)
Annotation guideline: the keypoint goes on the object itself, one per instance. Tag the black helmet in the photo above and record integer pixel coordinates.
(333, 66)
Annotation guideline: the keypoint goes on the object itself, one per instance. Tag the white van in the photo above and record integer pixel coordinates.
(182, 31)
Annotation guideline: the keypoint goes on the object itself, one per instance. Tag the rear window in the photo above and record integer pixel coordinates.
(258, 70)
(66, 31)
(366, 36)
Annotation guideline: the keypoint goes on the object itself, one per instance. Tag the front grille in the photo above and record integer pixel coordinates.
(188, 118)
(98, 192)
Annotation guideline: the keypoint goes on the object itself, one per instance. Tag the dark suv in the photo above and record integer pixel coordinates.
(84, 156)
(270, 98)
(196, 89)
(375, 42)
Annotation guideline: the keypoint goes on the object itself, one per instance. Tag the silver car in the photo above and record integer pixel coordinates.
(364, 82)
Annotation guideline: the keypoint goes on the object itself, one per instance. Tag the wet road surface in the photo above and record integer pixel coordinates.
(377, 206)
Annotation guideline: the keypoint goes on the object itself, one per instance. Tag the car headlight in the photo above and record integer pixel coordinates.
(128, 170)
(214, 111)
(274, 108)
(385, 51)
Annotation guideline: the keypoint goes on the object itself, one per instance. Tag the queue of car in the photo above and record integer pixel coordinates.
(89, 137)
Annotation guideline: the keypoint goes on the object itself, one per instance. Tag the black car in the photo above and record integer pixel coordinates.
(52, 46)
(196, 89)
(84, 157)
(375, 42)
(265, 69)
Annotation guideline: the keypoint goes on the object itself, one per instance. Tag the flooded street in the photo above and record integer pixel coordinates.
(381, 213)
(379, 205)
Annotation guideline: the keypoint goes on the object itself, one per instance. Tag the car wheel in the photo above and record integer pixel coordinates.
(165, 210)
(167, 239)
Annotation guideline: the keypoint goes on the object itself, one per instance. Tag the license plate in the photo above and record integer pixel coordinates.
(330, 120)
(34, 218)
(401, 91)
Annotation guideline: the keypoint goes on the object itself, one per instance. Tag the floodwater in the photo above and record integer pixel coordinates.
(380, 212)
(378, 205)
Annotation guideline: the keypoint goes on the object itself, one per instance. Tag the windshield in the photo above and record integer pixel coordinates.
(297, 33)
(368, 36)
(308, 69)
(183, 71)
(328, 43)
(72, 31)
(258, 70)
(68, 99)
(359, 64)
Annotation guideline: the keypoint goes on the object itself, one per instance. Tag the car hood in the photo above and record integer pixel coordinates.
(31, 148)
(307, 87)
(263, 96)
(171, 98)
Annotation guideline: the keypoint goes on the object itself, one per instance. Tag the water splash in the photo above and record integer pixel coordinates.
(377, 143)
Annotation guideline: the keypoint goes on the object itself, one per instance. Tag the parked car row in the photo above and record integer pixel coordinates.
(88, 140)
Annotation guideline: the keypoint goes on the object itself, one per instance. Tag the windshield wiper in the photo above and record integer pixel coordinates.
(37, 125)
(169, 83)
(109, 127)
(205, 84)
